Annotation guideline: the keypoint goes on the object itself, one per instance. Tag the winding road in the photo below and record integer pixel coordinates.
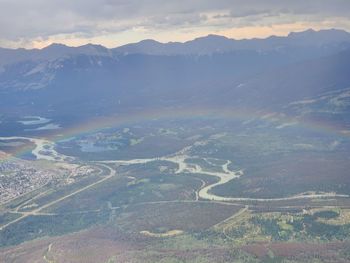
(44, 149)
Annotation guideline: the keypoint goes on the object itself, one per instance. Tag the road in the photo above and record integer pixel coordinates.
(241, 212)
(179, 159)
(112, 173)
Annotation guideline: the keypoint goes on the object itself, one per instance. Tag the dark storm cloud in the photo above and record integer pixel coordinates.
(21, 19)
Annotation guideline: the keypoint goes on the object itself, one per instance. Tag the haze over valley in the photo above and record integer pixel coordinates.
(213, 149)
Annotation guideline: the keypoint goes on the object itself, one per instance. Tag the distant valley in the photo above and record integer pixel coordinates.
(212, 150)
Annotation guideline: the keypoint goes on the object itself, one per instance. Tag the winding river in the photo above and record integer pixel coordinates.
(45, 150)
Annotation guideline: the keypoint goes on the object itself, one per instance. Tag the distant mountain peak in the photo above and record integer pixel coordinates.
(214, 36)
(93, 45)
(211, 37)
(93, 48)
(321, 37)
(56, 46)
(312, 32)
(206, 45)
(149, 41)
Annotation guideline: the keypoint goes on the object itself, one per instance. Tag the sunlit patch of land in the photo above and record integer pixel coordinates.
(169, 233)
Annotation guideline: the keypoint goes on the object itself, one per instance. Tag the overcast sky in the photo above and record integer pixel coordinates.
(37, 23)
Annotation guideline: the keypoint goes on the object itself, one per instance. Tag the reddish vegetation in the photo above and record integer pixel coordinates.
(94, 245)
(292, 249)
(258, 250)
(326, 251)
(213, 254)
(101, 244)
(180, 216)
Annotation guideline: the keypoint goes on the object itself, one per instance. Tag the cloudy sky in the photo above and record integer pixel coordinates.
(37, 23)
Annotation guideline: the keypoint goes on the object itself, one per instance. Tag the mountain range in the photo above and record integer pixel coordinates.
(211, 71)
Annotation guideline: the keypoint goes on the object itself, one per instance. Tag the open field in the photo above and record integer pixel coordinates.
(201, 195)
